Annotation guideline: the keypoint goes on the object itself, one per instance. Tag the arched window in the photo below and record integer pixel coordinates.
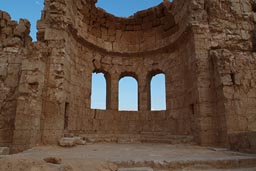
(128, 94)
(126, 8)
(158, 92)
(100, 91)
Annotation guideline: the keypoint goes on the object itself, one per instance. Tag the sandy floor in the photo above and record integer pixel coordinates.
(137, 152)
(161, 156)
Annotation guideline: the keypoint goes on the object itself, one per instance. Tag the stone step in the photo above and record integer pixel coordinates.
(241, 169)
(136, 169)
(236, 164)
(191, 169)
(139, 138)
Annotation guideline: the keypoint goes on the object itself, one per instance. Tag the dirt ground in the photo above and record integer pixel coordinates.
(110, 157)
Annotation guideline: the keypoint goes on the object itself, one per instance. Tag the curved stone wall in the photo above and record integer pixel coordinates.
(147, 30)
(157, 40)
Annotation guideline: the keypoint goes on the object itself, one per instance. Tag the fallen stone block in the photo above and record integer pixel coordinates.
(69, 135)
(136, 169)
(79, 141)
(71, 141)
(4, 150)
(53, 160)
(66, 142)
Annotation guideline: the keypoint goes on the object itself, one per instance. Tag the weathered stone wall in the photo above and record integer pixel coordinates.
(14, 38)
(28, 120)
(224, 36)
(146, 30)
(85, 57)
(22, 83)
(232, 26)
(51, 33)
(204, 48)
(178, 106)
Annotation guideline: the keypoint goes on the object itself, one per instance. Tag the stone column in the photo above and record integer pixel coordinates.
(29, 110)
(113, 94)
(168, 82)
(144, 94)
(88, 89)
(108, 90)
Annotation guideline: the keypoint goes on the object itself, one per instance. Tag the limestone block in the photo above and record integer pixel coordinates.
(32, 65)
(14, 59)
(53, 160)
(3, 70)
(4, 151)
(15, 43)
(6, 16)
(20, 29)
(226, 80)
(254, 17)
(252, 121)
(66, 142)
(71, 141)
(52, 34)
(12, 81)
(2, 24)
(246, 6)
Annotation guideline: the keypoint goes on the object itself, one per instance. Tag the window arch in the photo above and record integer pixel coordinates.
(157, 91)
(128, 94)
(100, 96)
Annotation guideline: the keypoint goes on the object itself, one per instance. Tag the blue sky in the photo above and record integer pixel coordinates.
(125, 8)
(28, 9)
(31, 10)
(128, 93)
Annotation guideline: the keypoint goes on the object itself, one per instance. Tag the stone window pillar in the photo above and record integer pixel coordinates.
(168, 80)
(144, 94)
(113, 99)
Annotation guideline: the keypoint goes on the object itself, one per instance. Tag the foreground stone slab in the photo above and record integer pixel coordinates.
(4, 151)
(136, 169)
(53, 160)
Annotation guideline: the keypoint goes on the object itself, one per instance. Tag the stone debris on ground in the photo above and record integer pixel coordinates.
(53, 160)
(71, 141)
(4, 150)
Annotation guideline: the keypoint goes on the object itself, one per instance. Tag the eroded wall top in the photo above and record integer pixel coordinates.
(12, 33)
(145, 31)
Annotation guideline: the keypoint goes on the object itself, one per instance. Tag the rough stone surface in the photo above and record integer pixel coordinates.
(71, 141)
(205, 48)
(53, 160)
(4, 151)
(159, 157)
(21, 163)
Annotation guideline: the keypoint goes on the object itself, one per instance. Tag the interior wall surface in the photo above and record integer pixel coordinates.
(173, 57)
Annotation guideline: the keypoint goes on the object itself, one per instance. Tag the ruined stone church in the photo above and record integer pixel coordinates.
(205, 48)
